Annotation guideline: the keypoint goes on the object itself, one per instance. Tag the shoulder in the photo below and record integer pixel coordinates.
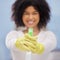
(13, 33)
(50, 33)
(47, 34)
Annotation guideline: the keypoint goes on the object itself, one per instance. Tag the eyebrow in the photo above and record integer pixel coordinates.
(27, 11)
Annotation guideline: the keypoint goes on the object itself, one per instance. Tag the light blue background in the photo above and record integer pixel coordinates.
(6, 24)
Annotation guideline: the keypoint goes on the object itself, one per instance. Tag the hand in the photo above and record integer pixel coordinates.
(26, 43)
(35, 47)
(29, 43)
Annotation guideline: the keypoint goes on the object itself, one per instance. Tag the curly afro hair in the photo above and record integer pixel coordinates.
(40, 5)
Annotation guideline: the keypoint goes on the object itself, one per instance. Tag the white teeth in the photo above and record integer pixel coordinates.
(30, 22)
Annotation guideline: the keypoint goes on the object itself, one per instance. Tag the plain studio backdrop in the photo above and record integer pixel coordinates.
(6, 25)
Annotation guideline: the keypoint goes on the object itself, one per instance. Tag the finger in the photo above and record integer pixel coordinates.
(33, 50)
(30, 37)
(19, 45)
(33, 42)
(40, 48)
(26, 47)
(28, 44)
(30, 48)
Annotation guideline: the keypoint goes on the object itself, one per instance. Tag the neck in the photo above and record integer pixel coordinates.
(35, 31)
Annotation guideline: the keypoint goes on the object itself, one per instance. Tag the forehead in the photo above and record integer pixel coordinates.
(30, 8)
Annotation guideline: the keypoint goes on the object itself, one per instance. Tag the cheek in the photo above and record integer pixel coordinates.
(23, 19)
(37, 18)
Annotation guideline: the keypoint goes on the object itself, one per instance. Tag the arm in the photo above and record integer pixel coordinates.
(49, 41)
(11, 39)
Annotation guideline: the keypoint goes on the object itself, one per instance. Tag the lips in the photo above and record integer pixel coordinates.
(30, 22)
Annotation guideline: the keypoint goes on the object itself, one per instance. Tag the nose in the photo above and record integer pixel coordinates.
(30, 16)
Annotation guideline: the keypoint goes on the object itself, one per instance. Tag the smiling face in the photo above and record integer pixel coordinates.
(31, 17)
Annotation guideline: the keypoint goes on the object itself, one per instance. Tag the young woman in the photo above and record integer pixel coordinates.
(31, 14)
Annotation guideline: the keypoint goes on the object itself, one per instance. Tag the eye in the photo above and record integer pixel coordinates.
(35, 13)
(25, 13)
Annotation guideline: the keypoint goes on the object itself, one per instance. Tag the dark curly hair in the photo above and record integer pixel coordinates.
(40, 5)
